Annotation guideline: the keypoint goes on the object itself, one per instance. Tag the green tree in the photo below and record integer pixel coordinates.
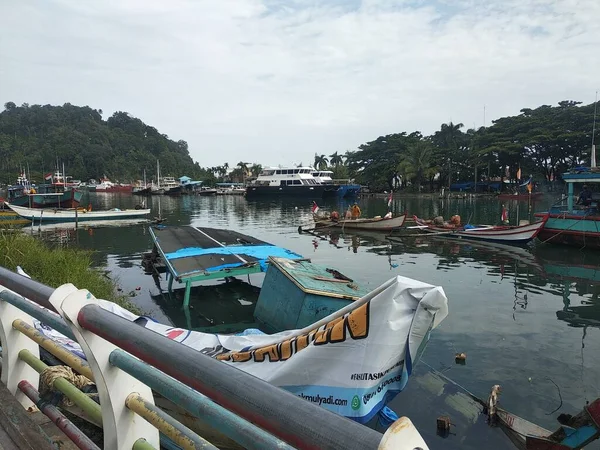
(321, 162)
(336, 160)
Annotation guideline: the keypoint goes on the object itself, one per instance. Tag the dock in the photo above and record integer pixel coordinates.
(191, 254)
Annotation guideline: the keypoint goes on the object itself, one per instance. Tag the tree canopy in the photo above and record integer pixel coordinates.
(543, 142)
(121, 147)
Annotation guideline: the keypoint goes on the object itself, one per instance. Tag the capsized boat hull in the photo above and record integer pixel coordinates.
(516, 235)
(375, 224)
(72, 215)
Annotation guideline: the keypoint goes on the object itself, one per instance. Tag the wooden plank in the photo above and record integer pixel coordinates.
(16, 423)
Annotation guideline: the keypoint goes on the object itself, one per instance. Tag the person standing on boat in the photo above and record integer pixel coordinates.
(585, 197)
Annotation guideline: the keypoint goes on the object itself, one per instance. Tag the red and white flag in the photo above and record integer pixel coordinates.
(504, 216)
(315, 208)
(48, 176)
(390, 200)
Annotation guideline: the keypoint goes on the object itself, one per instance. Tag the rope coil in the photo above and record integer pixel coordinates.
(50, 374)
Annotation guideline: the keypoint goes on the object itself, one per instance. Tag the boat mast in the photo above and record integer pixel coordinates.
(593, 158)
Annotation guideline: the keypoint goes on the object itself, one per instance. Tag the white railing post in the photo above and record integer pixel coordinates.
(121, 426)
(13, 369)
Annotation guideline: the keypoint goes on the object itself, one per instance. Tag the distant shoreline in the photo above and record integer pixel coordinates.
(427, 195)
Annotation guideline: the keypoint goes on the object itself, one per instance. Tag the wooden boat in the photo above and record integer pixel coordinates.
(373, 224)
(296, 293)
(577, 432)
(76, 215)
(517, 235)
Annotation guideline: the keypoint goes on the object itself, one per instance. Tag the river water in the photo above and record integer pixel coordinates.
(527, 319)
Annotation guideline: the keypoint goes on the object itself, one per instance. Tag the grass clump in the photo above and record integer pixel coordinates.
(56, 266)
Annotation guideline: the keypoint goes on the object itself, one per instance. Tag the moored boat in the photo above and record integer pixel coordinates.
(508, 234)
(288, 182)
(108, 186)
(572, 224)
(367, 224)
(76, 214)
(57, 193)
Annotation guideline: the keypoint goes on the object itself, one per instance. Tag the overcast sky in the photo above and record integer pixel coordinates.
(275, 82)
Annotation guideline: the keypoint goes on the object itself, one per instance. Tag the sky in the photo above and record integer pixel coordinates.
(274, 82)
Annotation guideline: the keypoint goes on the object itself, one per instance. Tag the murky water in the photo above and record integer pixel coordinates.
(528, 319)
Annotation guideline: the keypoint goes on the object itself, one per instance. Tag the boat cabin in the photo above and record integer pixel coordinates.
(323, 176)
(576, 180)
(277, 176)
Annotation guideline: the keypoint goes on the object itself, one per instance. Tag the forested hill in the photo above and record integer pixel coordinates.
(90, 147)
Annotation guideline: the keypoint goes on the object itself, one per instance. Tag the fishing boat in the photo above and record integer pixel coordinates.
(572, 224)
(76, 214)
(508, 234)
(56, 193)
(377, 223)
(577, 431)
(106, 185)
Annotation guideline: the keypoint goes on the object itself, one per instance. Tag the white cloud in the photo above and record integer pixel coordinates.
(275, 82)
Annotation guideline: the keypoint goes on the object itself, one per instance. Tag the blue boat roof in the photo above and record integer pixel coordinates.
(581, 175)
(192, 251)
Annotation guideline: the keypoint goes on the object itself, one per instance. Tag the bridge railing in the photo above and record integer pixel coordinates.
(134, 369)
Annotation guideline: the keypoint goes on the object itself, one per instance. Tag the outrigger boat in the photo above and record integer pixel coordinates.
(516, 234)
(76, 214)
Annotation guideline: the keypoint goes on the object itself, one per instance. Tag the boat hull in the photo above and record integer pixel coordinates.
(312, 191)
(72, 215)
(126, 188)
(573, 230)
(515, 235)
(142, 191)
(366, 224)
(341, 190)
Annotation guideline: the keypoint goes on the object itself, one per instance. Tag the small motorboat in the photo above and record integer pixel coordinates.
(502, 233)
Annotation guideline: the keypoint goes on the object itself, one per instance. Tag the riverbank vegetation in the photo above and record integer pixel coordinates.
(543, 142)
(121, 147)
(57, 266)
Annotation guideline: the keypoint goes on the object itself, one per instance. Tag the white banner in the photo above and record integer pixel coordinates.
(352, 362)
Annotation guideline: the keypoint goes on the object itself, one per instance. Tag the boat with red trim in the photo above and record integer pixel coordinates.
(503, 233)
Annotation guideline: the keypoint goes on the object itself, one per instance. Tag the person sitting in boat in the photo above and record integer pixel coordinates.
(585, 197)
(355, 211)
(349, 213)
(334, 216)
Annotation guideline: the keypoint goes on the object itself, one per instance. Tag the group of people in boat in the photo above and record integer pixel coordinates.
(454, 222)
(352, 213)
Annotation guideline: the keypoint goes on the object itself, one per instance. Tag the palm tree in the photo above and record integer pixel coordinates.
(243, 166)
(418, 162)
(336, 160)
(449, 139)
(255, 169)
(321, 162)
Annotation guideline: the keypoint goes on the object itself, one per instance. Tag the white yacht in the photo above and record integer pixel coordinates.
(284, 181)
